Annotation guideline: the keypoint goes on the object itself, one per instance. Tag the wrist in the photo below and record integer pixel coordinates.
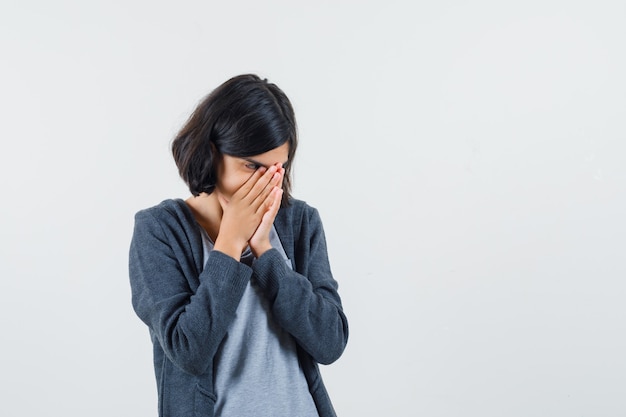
(229, 248)
(259, 250)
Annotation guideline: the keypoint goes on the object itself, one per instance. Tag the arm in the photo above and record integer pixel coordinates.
(188, 322)
(308, 307)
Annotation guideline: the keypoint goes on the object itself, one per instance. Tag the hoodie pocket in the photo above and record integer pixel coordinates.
(204, 402)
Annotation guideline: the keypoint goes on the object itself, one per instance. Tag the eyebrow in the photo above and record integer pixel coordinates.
(260, 164)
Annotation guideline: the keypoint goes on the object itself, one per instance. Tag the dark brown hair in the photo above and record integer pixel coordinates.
(244, 116)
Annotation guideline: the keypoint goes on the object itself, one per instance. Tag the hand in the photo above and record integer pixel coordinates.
(243, 214)
(260, 240)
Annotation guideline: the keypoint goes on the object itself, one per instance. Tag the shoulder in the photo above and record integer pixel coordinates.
(166, 211)
(167, 228)
(298, 211)
(169, 216)
(299, 219)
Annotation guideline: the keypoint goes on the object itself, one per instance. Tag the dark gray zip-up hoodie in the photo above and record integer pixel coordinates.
(188, 307)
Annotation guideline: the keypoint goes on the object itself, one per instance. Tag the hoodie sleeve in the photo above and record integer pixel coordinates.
(306, 304)
(188, 312)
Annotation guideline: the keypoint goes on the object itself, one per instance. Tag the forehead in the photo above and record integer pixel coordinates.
(271, 157)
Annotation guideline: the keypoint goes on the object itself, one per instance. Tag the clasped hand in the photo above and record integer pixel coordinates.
(248, 216)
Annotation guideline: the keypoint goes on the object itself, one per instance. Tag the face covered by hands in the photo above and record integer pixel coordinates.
(249, 191)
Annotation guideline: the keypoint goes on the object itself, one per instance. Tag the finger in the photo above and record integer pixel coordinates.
(272, 202)
(268, 217)
(273, 210)
(282, 176)
(281, 171)
(245, 189)
(263, 187)
(277, 200)
(265, 193)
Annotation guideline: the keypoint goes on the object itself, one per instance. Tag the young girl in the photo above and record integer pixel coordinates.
(234, 283)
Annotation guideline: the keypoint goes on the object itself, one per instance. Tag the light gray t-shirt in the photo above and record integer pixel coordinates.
(256, 368)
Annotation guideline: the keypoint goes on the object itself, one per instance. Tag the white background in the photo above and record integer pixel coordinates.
(468, 160)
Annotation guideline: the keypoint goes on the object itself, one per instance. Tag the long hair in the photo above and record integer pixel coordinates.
(244, 116)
